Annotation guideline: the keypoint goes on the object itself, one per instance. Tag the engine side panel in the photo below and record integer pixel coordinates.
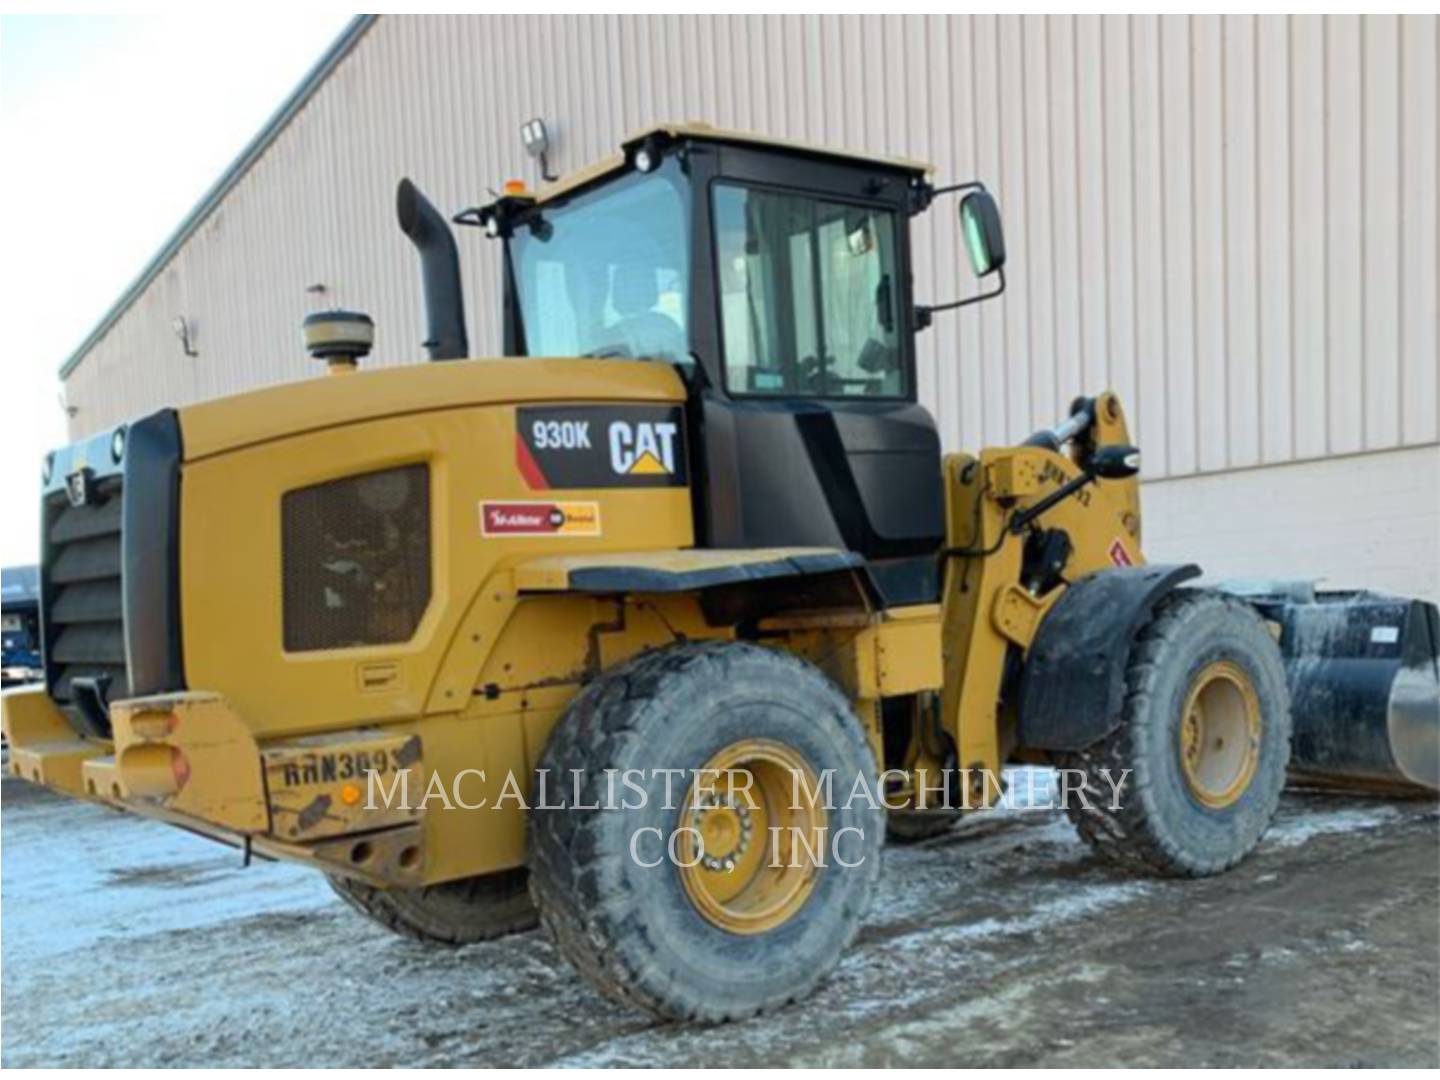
(483, 514)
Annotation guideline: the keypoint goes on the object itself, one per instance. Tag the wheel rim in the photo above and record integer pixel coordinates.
(740, 877)
(1220, 734)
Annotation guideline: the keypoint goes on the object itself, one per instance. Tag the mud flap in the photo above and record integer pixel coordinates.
(1073, 681)
(1364, 676)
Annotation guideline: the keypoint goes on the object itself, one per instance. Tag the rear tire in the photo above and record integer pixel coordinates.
(685, 944)
(453, 913)
(913, 826)
(1206, 737)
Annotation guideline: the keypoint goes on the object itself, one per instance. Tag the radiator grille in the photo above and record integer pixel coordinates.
(356, 559)
(85, 629)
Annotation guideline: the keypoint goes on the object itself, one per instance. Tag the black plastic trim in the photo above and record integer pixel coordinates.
(150, 555)
(649, 579)
(905, 581)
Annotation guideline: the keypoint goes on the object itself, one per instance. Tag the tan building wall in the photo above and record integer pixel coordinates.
(1357, 521)
(1232, 221)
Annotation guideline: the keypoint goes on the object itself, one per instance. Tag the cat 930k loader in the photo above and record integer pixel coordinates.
(478, 638)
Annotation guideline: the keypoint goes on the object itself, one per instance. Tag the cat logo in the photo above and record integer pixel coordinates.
(643, 449)
(584, 447)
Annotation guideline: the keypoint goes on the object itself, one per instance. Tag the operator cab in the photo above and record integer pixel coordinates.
(776, 277)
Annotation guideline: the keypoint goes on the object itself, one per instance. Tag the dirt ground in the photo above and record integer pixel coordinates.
(130, 943)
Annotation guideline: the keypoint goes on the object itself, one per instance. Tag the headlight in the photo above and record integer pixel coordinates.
(117, 445)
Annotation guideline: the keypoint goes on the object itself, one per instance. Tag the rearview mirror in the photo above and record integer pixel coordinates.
(984, 238)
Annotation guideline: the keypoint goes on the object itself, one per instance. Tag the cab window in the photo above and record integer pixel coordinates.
(607, 273)
(808, 294)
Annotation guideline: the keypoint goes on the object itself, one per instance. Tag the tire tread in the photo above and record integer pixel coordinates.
(498, 905)
(588, 918)
(1128, 836)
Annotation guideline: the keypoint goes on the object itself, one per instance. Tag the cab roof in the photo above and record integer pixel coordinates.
(699, 130)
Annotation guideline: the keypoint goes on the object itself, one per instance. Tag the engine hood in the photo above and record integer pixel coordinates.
(215, 427)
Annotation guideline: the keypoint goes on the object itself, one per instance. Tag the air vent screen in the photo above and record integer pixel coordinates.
(356, 559)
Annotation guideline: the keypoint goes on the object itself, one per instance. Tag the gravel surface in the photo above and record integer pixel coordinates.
(125, 942)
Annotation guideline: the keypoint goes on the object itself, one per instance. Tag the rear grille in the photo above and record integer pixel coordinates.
(110, 570)
(356, 559)
(84, 623)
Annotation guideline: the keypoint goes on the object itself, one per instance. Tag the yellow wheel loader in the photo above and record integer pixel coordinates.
(650, 628)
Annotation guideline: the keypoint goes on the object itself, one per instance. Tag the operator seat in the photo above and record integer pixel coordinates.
(645, 332)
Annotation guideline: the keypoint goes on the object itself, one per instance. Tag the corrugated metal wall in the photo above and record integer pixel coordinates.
(1231, 220)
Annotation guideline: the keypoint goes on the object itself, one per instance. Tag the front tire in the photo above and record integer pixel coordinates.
(740, 931)
(1205, 736)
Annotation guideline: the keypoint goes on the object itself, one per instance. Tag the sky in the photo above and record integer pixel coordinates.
(111, 128)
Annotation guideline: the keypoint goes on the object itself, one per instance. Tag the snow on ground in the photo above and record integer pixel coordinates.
(75, 875)
(1294, 830)
(126, 942)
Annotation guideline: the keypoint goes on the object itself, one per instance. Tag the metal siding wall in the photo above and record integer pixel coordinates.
(1230, 220)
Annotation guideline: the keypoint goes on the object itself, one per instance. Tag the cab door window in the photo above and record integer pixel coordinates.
(808, 296)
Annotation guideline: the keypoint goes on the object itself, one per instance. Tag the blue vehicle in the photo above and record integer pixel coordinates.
(20, 621)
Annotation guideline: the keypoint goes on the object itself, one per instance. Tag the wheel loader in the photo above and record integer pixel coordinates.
(651, 628)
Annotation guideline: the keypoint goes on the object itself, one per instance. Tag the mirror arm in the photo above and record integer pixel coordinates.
(924, 314)
(950, 189)
(923, 195)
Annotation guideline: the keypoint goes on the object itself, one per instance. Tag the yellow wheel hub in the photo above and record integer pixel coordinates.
(1220, 735)
(740, 873)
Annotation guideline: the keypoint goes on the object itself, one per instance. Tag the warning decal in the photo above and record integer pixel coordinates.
(1119, 556)
(539, 519)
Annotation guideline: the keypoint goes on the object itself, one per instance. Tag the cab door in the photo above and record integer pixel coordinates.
(814, 435)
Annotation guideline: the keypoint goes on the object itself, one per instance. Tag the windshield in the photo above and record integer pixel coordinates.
(607, 273)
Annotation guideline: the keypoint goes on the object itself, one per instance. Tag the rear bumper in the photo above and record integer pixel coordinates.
(189, 760)
(44, 748)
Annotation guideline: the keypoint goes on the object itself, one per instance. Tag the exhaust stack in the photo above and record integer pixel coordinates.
(439, 272)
